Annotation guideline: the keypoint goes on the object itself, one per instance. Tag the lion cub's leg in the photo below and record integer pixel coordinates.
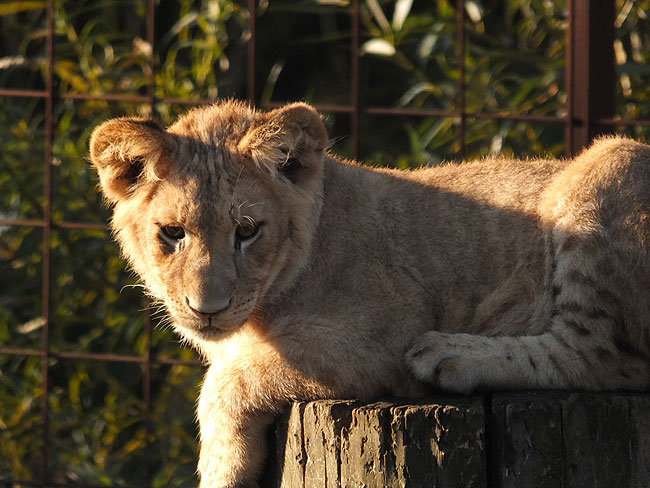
(232, 445)
(596, 338)
(232, 436)
(240, 394)
(555, 360)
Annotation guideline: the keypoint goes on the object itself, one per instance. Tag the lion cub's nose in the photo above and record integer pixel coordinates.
(207, 309)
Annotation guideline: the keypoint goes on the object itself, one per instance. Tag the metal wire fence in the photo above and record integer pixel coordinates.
(591, 92)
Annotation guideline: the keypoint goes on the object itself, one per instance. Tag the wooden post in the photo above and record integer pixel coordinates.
(595, 440)
(504, 440)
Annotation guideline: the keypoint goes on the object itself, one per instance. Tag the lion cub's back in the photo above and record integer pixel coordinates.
(504, 183)
(613, 169)
(612, 177)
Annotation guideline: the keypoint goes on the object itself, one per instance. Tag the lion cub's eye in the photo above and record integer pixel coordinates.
(173, 232)
(246, 231)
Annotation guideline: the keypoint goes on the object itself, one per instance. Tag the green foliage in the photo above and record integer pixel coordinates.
(22, 158)
(100, 46)
(409, 59)
(20, 289)
(21, 420)
(513, 63)
(202, 52)
(97, 425)
(22, 44)
(633, 63)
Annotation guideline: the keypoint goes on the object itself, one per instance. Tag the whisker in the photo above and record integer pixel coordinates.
(254, 204)
(137, 285)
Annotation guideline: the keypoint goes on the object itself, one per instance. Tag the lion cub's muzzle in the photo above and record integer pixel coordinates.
(211, 316)
(208, 309)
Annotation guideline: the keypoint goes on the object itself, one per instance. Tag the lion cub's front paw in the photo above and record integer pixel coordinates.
(451, 362)
(219, 470)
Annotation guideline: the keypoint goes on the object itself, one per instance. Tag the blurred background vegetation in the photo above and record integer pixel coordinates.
(101, 430)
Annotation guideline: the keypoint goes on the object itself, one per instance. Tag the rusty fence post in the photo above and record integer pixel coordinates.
(590, 76)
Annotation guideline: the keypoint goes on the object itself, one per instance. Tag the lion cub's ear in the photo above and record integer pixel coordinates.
(290, 141)
(127, 151)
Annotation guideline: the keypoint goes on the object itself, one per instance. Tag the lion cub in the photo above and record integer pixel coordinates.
(299, 276)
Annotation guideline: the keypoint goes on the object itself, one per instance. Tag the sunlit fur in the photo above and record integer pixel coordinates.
(359, 282)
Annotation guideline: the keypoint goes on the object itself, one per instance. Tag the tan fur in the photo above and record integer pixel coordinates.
(493, 274)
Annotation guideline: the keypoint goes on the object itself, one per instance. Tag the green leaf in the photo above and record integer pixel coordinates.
(8, 8)
(378, 47)
(379, 16)
(402, 9)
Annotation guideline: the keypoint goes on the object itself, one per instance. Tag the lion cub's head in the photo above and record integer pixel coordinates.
(217, 212)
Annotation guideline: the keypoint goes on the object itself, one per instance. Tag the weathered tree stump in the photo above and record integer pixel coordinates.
(501, 440)
(570, 440)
